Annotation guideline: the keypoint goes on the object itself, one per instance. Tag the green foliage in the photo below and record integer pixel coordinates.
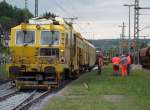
(6, 22)
(12, 16)
(3, 73)
(6, 9)
(106, 44)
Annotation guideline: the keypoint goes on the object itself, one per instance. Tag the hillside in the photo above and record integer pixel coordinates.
(113, 43)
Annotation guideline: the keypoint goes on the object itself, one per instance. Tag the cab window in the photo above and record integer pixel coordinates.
(46, 37)
(50, 38)
(25, 37)
(66, 41)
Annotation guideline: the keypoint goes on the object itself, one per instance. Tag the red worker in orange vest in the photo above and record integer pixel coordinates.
(116, 61)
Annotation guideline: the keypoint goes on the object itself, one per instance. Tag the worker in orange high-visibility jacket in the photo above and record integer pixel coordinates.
(116, 61)
(124, 63)
(129, 63)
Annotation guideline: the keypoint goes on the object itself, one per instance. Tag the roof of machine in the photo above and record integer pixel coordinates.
(42, 20)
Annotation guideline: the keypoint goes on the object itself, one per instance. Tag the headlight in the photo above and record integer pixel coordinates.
(62, 60)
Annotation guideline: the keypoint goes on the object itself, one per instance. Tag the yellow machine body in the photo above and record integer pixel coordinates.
(43, 55)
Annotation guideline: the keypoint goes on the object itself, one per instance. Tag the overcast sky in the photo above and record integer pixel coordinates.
(100, 18)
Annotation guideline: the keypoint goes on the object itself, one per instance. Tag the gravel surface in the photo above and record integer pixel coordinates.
(5, 86)
(12, 101)
(6, 92)
(136, 67)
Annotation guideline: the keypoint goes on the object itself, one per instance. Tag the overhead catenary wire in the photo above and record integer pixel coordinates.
(144, 14)
(71, 7)
(63, 9)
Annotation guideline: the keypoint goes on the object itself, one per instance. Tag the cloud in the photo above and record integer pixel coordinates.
(104, 15)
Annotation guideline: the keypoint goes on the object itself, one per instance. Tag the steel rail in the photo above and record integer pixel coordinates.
(24, 101)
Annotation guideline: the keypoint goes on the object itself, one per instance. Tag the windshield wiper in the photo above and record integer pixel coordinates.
(27, 43)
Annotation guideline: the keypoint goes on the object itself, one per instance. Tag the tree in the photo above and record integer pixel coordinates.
(12, 16)
(49, 15)
(6, 22)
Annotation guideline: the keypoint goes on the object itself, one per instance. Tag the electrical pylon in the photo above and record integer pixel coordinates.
(36, 8)
(26, 4)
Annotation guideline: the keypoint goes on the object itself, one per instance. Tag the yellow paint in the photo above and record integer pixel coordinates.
(28, 55)
(82, 54)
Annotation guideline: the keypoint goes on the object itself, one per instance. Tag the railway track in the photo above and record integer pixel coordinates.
(36, 98)
(12, 99)
(15, 101)
(41, 96)
(7, 93)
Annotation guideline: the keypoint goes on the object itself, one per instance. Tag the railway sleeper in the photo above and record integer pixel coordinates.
(35, 84)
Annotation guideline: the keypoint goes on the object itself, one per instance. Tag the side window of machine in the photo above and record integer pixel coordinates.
(46, 38)
(25, 37)
(73, 36)
(56, 35)
(74, 43)
(66, 41)
(49, 52)
(45, 52)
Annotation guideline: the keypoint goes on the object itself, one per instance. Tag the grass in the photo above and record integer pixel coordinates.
(3, 73)
(105, 93)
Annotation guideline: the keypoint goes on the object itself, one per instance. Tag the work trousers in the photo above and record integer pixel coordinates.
(99, 69)
(124, 70)
(116, 70)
